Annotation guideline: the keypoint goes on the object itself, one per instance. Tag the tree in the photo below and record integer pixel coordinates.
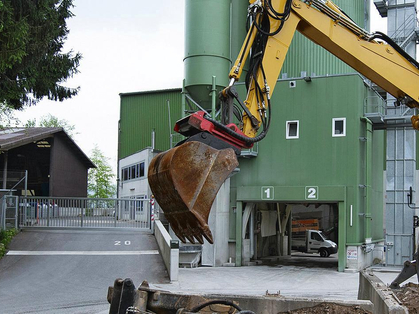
(7, 117)
(32, 64)
(50, 121)
(100, 179)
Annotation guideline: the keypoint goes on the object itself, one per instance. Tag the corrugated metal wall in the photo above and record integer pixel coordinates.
(401, 150)
(304, 55)
(140, 113)
(401, 165)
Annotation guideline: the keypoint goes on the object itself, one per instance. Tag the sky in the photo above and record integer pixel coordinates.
(127, 46)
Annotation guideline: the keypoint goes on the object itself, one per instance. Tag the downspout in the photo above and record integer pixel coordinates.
(368, 170)
(239, 226)
(153, 140)
(183, 105)
(213, 97)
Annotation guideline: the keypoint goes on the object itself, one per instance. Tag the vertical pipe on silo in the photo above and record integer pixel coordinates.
(214, 96)
(238, 30)
(183, 104)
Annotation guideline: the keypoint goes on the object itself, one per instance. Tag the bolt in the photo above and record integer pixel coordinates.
(156, 296)
(128, 282)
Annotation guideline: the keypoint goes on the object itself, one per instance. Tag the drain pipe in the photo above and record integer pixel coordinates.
(213, 97)
(368, 170)
(183, 104)
(153, 139)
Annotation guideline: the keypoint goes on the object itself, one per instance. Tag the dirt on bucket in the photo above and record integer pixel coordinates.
(409, 297)
(329, 308)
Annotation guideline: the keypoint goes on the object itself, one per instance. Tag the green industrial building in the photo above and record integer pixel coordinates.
(322, 160)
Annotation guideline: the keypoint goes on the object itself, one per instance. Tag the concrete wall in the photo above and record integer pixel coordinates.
(170, 255)
(218, 253)
(359, 257)
(373, 289)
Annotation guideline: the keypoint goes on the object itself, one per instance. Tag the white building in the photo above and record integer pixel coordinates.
(133, 184)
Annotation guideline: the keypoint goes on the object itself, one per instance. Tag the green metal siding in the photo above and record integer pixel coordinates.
(314, 104)
(304, 55)
(355, 9)
(140, 113)
(317, 158)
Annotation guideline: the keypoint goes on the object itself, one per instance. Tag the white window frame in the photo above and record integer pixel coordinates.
(287, 130)
(133, 169)
(334, 120)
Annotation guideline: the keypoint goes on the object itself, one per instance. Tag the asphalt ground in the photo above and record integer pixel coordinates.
(69, 271)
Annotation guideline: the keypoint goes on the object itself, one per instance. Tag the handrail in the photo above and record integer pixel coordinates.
(404, 27)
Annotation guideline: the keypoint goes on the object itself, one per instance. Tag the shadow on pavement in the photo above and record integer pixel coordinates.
(301, 260)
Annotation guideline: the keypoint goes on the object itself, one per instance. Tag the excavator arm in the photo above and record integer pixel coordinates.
(185, 180)
(375, 56)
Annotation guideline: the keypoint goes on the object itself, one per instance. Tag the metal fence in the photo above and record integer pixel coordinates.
(84, 212)
(9, 212)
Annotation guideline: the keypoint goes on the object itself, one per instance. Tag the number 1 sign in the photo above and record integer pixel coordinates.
(267, 192)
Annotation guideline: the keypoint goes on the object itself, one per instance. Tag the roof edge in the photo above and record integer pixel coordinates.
(151, 92)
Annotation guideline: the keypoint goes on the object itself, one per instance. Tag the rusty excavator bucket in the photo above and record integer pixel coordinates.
(185, 181)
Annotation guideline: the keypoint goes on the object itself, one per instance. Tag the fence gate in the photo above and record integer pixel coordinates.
(9, 212)
(84, 212)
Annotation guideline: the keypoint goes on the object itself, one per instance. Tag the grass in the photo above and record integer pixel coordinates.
(6, 237)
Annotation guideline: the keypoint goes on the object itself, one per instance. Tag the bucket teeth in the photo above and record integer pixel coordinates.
(200, 238)
(181, 237)
(190, 238)
(185, 181)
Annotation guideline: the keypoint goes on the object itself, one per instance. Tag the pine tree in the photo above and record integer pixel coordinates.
(32, 64)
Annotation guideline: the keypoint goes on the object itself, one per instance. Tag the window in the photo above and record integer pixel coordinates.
(125, 174)
(292, 130)
(316, 236)
(133, 172)
(141, 169)
(339, 127)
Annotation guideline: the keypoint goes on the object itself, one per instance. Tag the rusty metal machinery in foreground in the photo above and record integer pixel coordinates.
(125, 299)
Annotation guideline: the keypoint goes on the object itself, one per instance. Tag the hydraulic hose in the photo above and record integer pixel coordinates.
(223, 302)
(395, 46)
(247, 140)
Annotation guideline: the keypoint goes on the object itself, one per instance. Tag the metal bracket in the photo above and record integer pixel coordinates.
(409, 199)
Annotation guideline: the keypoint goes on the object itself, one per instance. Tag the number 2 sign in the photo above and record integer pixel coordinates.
(312, 192)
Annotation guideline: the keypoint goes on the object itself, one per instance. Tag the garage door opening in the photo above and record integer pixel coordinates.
(290, 234)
